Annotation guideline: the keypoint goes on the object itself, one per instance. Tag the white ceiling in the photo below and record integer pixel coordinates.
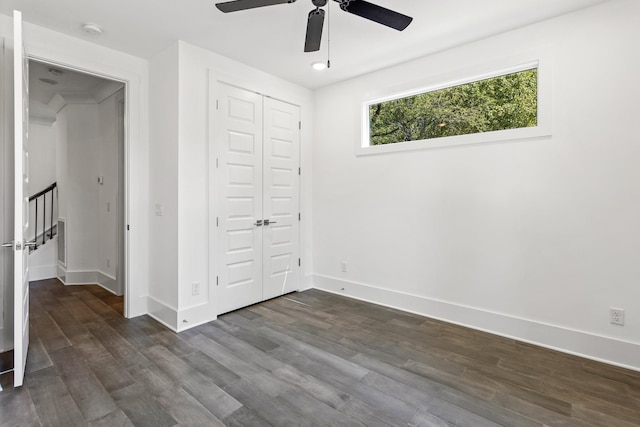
(68, 85)
(272, 38)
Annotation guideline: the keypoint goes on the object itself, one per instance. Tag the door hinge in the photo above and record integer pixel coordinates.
(299, 216)
(217, 222)
(217, 283)
(217, 165)
(299, 171)
(299, 263)
(299, 125)
(217, 105)
(128, 227)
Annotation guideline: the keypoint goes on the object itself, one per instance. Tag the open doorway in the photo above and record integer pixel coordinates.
(76, 177)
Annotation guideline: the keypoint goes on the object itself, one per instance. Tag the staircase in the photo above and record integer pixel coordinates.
(43, 233)
(43, 214)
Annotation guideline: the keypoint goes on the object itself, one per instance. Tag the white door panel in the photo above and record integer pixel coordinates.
(21, 201)
(281, 198)
(239, 139)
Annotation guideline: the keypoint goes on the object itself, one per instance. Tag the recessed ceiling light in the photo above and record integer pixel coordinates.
(49, 81)
(92, 29)
(319, 66)
(55, 72)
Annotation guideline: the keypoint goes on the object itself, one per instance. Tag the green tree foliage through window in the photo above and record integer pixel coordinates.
(505, 102)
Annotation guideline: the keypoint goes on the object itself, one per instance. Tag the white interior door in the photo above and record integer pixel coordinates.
(281, 161)
(21, 196)
(239, 176)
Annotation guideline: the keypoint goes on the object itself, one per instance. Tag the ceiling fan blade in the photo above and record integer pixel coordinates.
(377, 14)
(314, 30)
(236, 5)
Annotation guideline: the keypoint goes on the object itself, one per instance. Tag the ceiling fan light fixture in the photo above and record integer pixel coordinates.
(319, 65)
(92, 29)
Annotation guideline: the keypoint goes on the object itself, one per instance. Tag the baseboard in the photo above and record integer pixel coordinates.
(78, 277)
(163, 313)
(195, 316)
(307, 283)
(584, 344)
(108, 282)
(42, 272)
(138, 306)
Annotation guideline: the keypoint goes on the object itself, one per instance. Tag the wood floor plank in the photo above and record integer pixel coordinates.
(18, 408)
(211, 368)
(87, 391)
(249, 352)
(313, 409)
(203, 389)
(49, 333)
(123, 351)
(38, 356)
(114, 419)
(372, 417)
(245, 334)
(142, 409)
(348, 384)
(186, 410)
(270, 409)
(259, 376)
(423, 419)
(316, 388)
(53, 403)
(245, 417)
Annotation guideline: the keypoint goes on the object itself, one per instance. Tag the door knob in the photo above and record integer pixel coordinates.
(259, 223)
(7, 245)
(269, 222)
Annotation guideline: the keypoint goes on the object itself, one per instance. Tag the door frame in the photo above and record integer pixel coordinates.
(123, 236)
(214, 78)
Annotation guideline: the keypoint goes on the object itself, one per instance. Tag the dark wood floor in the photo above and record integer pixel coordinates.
(307, 359)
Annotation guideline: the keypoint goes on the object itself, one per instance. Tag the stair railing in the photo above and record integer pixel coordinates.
(50, 192)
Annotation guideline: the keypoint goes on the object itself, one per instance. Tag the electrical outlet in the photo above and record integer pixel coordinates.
(616, 316)
(195, 288)
(343, 264)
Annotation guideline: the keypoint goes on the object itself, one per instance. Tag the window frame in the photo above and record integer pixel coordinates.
(543, 128)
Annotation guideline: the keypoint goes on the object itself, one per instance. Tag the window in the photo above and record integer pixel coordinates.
(495, 106)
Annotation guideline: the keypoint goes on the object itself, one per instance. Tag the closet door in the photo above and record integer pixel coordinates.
(238, 141)
(281, 198)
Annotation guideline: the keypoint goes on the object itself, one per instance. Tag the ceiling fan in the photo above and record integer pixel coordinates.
(315, 20)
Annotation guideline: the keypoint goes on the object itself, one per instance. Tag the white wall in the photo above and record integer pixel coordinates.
(42, 155)
(163, 185)
(61, 163)
(183, 150)
(83, 148)
(534, 239)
